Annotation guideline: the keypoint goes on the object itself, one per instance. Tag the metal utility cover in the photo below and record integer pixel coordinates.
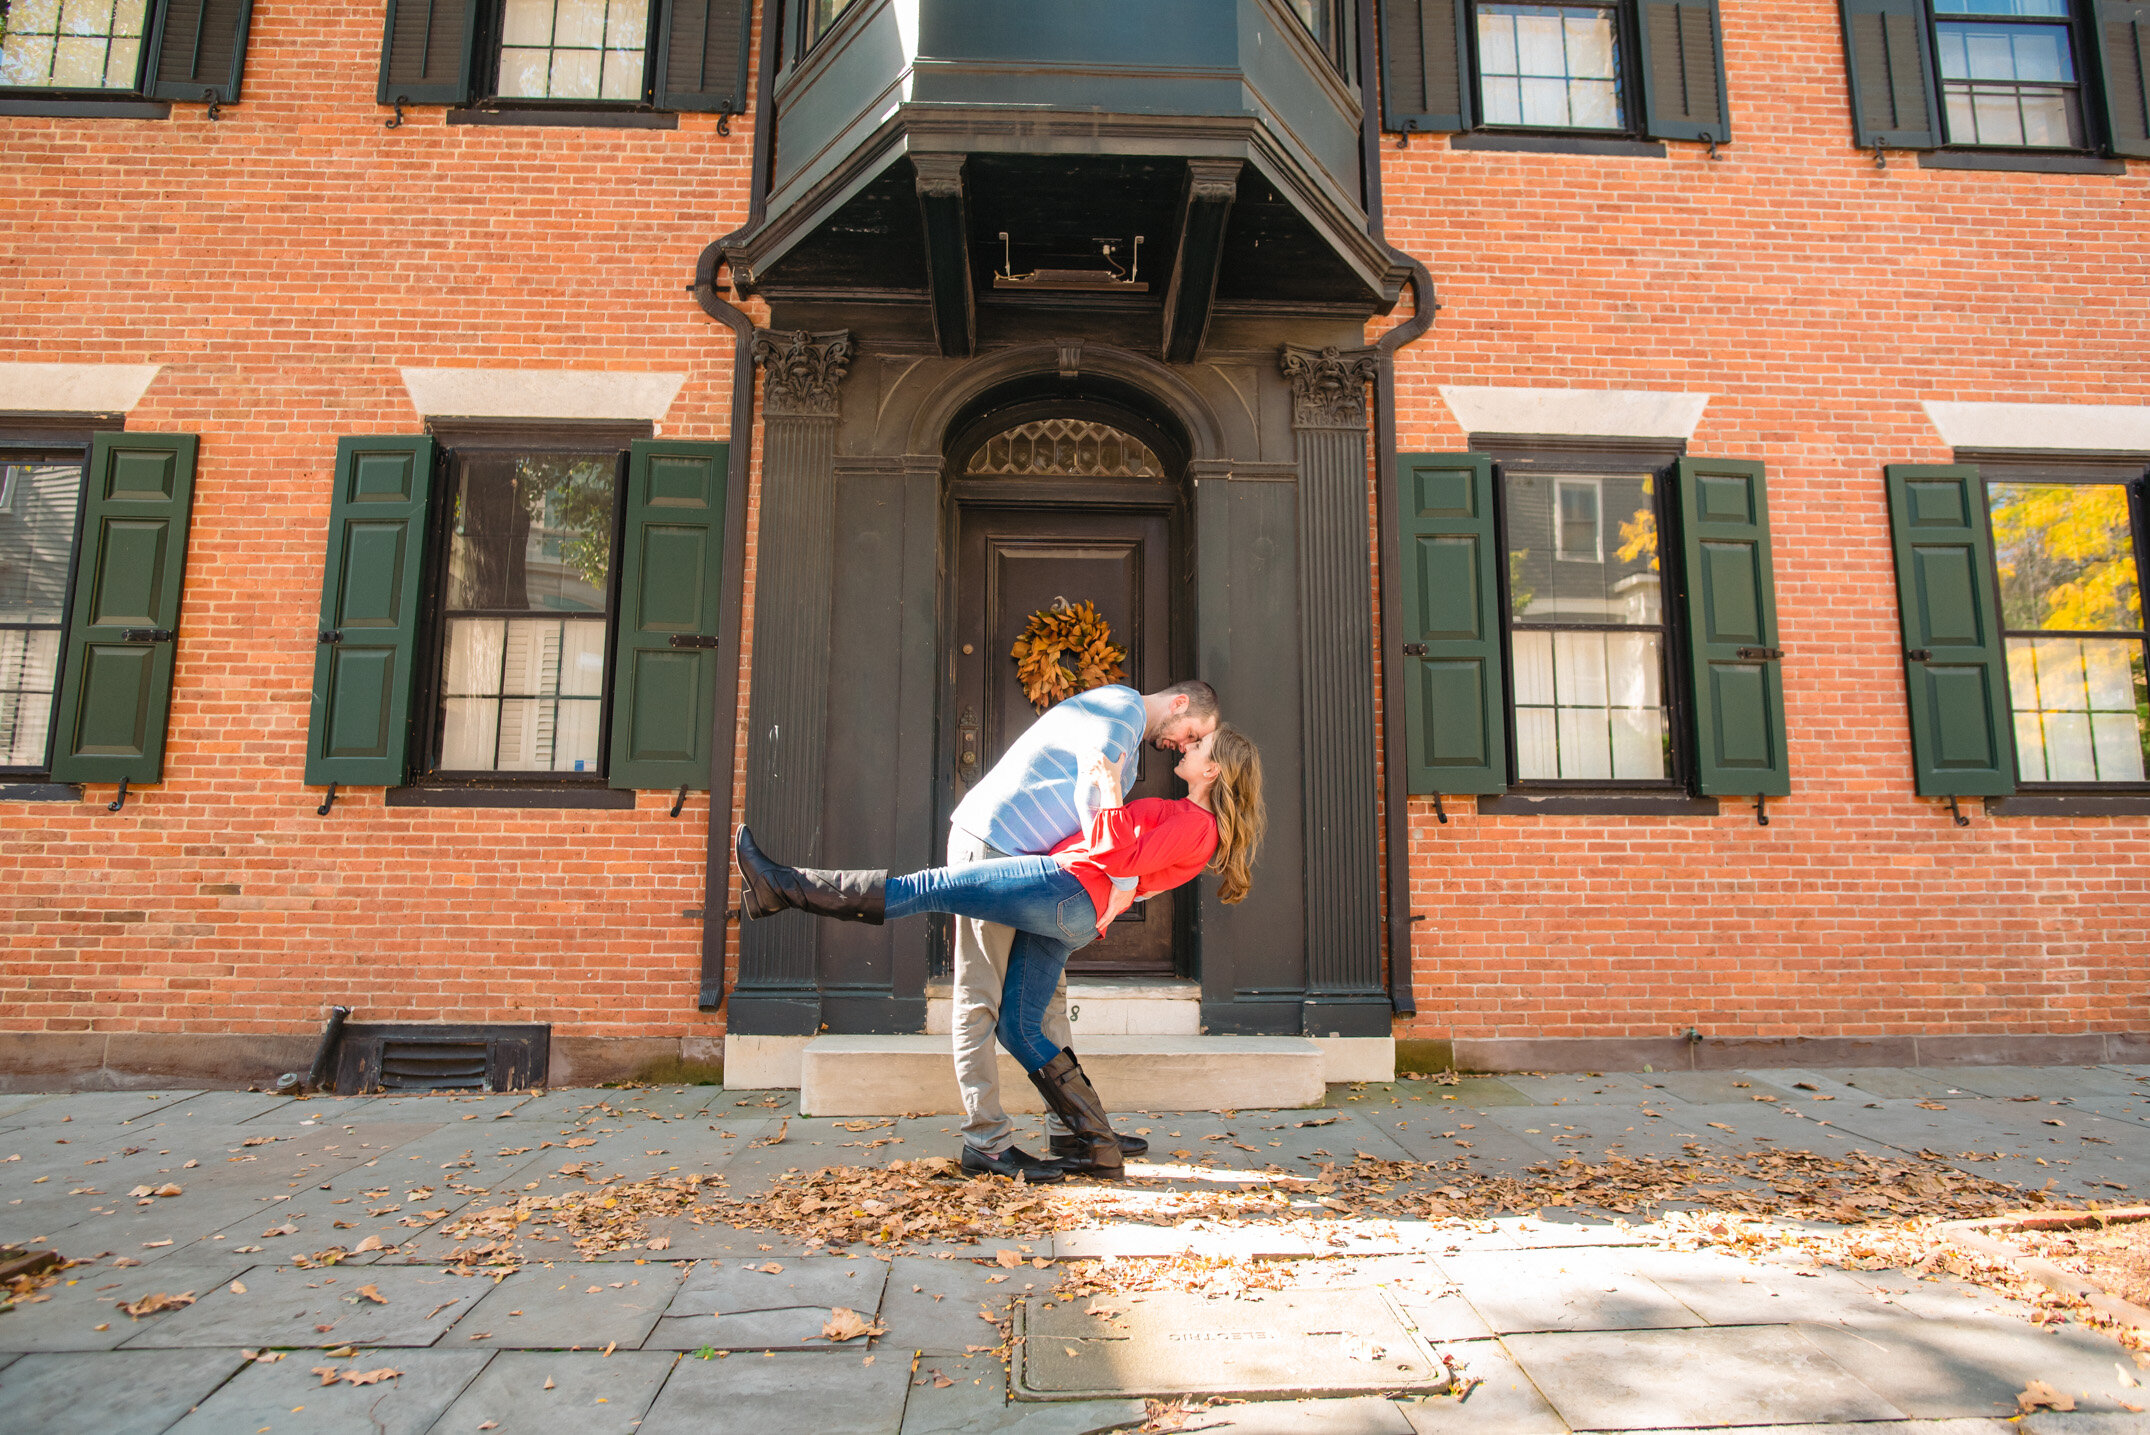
(1284, 1344)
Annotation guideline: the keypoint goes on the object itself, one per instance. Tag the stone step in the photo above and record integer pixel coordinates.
(895, 1075)
(1103, 1006)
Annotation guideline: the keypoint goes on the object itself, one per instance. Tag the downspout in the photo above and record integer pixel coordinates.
(1395, 804)
(724, 720)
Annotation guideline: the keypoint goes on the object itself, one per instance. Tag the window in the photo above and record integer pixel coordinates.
(2069, 574)
(1587, 636)
(618, 58)
(2001, 84)
(1330, 23)
(821, 17)
(98, 54)
(40, 498)
(2008, 75)
(1550, 66)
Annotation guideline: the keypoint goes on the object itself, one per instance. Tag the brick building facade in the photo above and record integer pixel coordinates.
(370, 255)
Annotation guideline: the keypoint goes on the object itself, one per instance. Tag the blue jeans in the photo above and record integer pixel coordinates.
(1052, 915)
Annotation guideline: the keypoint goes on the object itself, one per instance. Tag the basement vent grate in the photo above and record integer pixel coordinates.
(426, 1056)
(433, 1065)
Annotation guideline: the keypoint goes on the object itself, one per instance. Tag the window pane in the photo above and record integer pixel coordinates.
(530, 550)
(1553, 66)
(2029, 9)
(29, 659)
(1588, 706)
(2066, 556)
(824, 14)
(72, 44)
(1314, 15)
(1597, 563)
(573, 49)
(38, 501)
(2082, 709)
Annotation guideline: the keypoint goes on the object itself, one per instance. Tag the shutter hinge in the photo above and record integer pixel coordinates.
(329, 635)
(147, 635)
(694, 640)
(1761, 654)
(1919, 655)
(1414, 650)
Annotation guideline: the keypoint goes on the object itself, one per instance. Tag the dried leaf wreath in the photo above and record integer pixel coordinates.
(1066, 649)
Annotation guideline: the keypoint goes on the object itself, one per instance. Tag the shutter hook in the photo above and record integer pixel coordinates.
(724, 122)
(215, 114)
(679, 799)
(1403, 139)
(1438, 810)
(1881, 160)
(1957, 812)
(397, 122)
(1711, 141)
(120, 801)
(1761, 809)
(326, 802)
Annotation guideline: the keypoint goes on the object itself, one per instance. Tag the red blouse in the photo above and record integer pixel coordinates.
(1161, 842)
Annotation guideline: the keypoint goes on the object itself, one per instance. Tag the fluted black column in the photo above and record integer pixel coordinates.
(1345, 995)
(788, 712)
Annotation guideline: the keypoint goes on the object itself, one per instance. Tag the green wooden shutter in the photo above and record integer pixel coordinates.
(427, 51)
(664, 695)
(1962, 737)
(1423, 81)
(359, 731)
(2121, 32)
(1891, 68)
(1683, 93)
(702, 51)
(200, 48)
(1448, 567)
(116, 675)
(1731, 610)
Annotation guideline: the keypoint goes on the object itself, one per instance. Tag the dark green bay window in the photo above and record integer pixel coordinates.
(1581, 621)
(103, 56)
(1581, 69)
(2021, 598)
(567, 55)
(507, 606)
(93, 542)
(1979, 79)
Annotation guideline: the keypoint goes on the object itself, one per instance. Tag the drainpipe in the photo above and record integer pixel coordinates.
(724, 725)
(1395, 804)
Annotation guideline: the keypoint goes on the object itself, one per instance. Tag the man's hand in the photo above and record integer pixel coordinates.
(1104, 774)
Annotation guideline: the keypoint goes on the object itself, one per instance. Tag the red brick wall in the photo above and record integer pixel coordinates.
(1817, 299)
(283, 263)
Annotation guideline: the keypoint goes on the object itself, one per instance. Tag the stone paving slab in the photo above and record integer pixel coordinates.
(1580, 1288)
(1498, 1398)
(591, 1394)
(730, 1306)
(1725, 1290)
(97, 1108)
(286, 1398)
(975, 1402)
(284, 1307)
(1364, 1415)
(1726, 1375)
(940, 1316)
(112, 1392)
(761, 1395)
(569, 1305)
(90, 1296)
(1936, 1368)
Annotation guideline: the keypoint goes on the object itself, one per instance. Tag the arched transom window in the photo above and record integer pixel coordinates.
(1064, 448)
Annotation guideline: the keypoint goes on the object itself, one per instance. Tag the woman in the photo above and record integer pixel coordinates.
(1058, 902)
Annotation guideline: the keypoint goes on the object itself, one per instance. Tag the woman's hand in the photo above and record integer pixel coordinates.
(1105, 775)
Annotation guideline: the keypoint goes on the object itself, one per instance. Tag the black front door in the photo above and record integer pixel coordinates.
(1013, 561)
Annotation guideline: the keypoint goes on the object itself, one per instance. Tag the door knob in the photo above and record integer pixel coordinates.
(967, 744)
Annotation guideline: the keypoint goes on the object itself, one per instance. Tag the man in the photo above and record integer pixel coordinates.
(1035, 797)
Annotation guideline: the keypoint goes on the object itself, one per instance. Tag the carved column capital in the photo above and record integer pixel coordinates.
(940, 176)
(1328, 385)
(801, 370)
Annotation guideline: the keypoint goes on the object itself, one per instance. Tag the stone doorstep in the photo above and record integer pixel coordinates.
(894, 1075)
(1103, 1007)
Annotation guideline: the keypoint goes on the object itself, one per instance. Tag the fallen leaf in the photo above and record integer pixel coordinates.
(614, 1345)
(371, 1243)
(548, 1382)
(662, 1243)
(771, 1269)
(238, 1287)
(2037, 1395)
(371, 1377)
(576, 1141)
(940, 1381)
(326, 1372)
(845, 1323)
(151, 1304)
(1008, 1259)
(2050, 1121)
(286, 1229)
(171, 1189)
(1933, 1106)
(1720, 1126)
(373, 1294)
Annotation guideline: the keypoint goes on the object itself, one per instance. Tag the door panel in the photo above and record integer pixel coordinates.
(1014, 561)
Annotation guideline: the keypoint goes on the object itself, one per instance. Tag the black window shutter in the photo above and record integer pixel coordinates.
(1683, 71)
(426, 52)
(1423, 84)
(200, 49)
(702, 49)
(2121, 29)
(1449, 563)
(1892, 84)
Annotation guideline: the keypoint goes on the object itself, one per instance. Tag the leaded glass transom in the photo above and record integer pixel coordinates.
(1064, 448)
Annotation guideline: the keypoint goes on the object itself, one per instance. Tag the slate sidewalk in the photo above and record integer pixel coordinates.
(1568, 1325)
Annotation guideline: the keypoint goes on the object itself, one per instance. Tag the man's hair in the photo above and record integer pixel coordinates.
(1201, 697)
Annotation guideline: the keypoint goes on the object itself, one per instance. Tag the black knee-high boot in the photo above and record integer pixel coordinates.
(1075, 1148)
(770, 887)
(1074, 1100)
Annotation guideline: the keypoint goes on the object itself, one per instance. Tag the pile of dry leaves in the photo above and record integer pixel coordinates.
(898, 1204)
(2115, 1257)
(604, 1215)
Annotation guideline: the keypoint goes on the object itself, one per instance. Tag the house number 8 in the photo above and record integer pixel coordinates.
(1074, 1014)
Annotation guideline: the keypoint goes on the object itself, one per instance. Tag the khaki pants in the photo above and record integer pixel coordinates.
(981, 968)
